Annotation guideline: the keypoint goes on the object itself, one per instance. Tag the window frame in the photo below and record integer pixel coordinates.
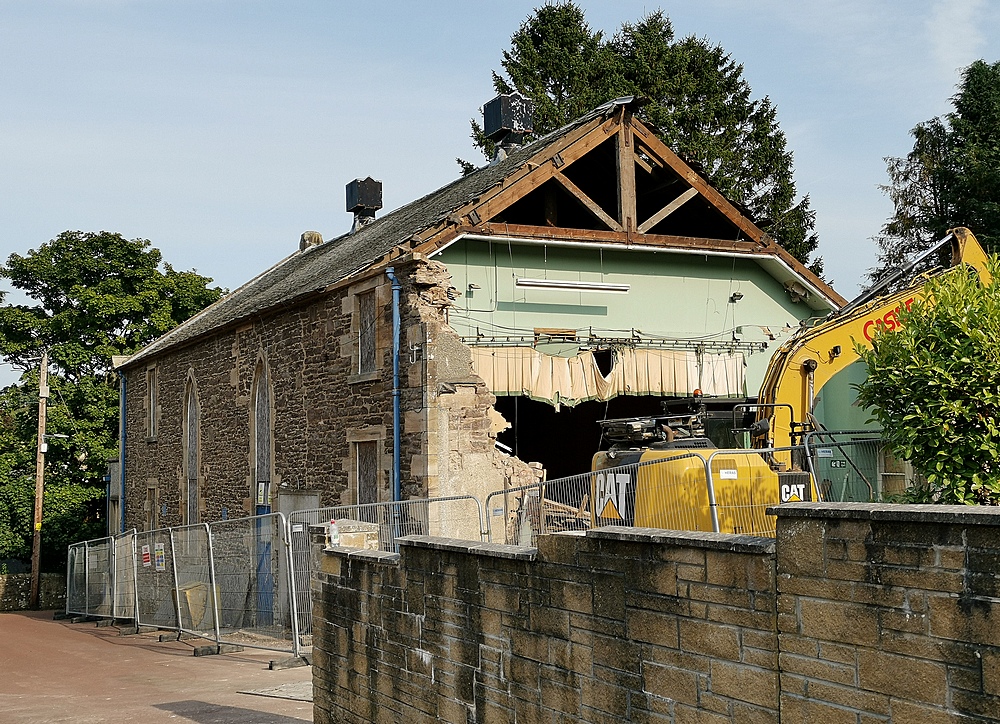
(191, 506)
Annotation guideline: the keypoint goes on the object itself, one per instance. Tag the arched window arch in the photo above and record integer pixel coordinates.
(262, 439)
(192, 453)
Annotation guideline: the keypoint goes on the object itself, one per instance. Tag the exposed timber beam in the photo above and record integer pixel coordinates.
(626, 174)
(588, 203)
(667, 210)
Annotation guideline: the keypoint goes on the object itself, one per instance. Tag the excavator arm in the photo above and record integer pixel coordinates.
(812, 358)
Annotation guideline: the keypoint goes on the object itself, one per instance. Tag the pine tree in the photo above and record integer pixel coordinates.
(699, 104)
(952, 175)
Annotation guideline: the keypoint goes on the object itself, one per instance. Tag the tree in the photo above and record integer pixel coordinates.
(932, 385)
(699, 104)
(951, 177)
(96, 295)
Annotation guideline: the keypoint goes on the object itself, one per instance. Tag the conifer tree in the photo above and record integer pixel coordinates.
(699, 104)
(952, 175)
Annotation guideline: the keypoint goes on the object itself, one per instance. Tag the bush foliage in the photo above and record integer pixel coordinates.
(934, 385)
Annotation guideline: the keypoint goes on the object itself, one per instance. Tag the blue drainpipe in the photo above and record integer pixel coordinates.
(396, 433)
(121, 448)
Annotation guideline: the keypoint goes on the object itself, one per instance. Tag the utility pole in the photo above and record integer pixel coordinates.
(36, 543)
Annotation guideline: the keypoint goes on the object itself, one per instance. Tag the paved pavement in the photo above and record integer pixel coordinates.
(55, 671)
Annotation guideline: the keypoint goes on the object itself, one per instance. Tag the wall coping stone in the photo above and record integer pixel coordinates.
(693, 539)
(386, 557)
(915, 513)
(493, 550)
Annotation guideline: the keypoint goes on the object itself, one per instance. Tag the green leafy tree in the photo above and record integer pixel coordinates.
(951, 177)
(933, 386)
(95, 295)
(699, 103)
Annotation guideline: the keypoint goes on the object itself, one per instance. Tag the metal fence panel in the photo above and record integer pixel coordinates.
(669, 493)
(124, 576)
(255, 602)
(100, 556)
(457, 516)
(195, 593)
(853, 466)
(154, 579)
(76, 579)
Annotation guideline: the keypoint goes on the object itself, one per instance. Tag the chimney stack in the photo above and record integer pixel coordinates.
(364, 198)
(310, 238)
(507, 119)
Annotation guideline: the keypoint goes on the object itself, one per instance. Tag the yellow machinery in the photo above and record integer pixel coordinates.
(815, 356)
(656, 475)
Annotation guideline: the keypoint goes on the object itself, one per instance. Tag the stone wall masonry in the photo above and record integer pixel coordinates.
(889, 613)
(15, 591)
(319, 406)
(857, 613)
(608, 626)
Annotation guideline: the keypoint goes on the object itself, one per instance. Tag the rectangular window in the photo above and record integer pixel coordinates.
(367, 461)
(152, 397)
(366, 332)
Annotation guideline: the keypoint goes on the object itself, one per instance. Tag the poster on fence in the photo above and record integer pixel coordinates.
(146, 559)
(161, 558)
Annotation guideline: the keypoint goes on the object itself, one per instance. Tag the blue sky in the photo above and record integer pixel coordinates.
(222, 130)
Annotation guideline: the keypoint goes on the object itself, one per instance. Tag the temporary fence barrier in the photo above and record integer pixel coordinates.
(96, 557)
(378, 525)
(229, 581)
(743, 485)
(670, 492)
(247, 581)
(124, 580)
(155, 579)
(853, 466)
(253, 572)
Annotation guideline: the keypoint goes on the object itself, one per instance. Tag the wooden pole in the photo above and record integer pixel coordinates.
(36, 542)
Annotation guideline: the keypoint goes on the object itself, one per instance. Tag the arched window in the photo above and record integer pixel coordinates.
(262, 440)
(191, 454)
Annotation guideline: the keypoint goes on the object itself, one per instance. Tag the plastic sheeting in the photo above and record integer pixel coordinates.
(571, 380)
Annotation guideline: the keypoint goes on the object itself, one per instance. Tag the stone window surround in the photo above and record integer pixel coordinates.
(378, 284)
(151, 402)
(260, 366)
(191, 388)
(372, 433)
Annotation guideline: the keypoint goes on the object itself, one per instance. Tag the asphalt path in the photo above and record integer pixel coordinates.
(56, 671)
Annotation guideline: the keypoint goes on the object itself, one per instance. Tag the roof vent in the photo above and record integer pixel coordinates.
(507, 119)
(310, 238)
(364, 198)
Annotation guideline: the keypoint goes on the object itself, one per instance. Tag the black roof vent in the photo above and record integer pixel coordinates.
(364, 198)
(508, 118)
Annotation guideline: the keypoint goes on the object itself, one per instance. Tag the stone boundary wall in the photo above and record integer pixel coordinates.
(15, 591)
(854, 613)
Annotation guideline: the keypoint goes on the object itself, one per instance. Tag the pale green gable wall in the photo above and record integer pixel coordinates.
(672, 295)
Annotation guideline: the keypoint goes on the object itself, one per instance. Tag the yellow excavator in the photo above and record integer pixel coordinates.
(808, 384)
(654, 474)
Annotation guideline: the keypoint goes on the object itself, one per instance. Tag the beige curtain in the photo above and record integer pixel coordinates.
(571, 380)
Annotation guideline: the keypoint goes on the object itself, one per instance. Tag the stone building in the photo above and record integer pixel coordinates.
(437, 349)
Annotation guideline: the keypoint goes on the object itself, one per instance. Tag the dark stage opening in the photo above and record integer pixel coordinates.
(565, 441)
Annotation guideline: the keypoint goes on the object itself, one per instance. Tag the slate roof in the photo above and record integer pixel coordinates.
(312, 270)
(308, 272)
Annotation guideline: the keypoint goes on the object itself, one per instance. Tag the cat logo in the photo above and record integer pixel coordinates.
(793, 493)
(609, 495)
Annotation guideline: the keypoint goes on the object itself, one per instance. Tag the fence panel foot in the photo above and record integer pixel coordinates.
(292, 662)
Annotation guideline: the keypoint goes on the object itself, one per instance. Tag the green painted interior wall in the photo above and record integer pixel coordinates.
(836, 404)
(674, 296)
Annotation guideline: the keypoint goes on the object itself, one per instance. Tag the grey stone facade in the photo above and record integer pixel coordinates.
(320, 407)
